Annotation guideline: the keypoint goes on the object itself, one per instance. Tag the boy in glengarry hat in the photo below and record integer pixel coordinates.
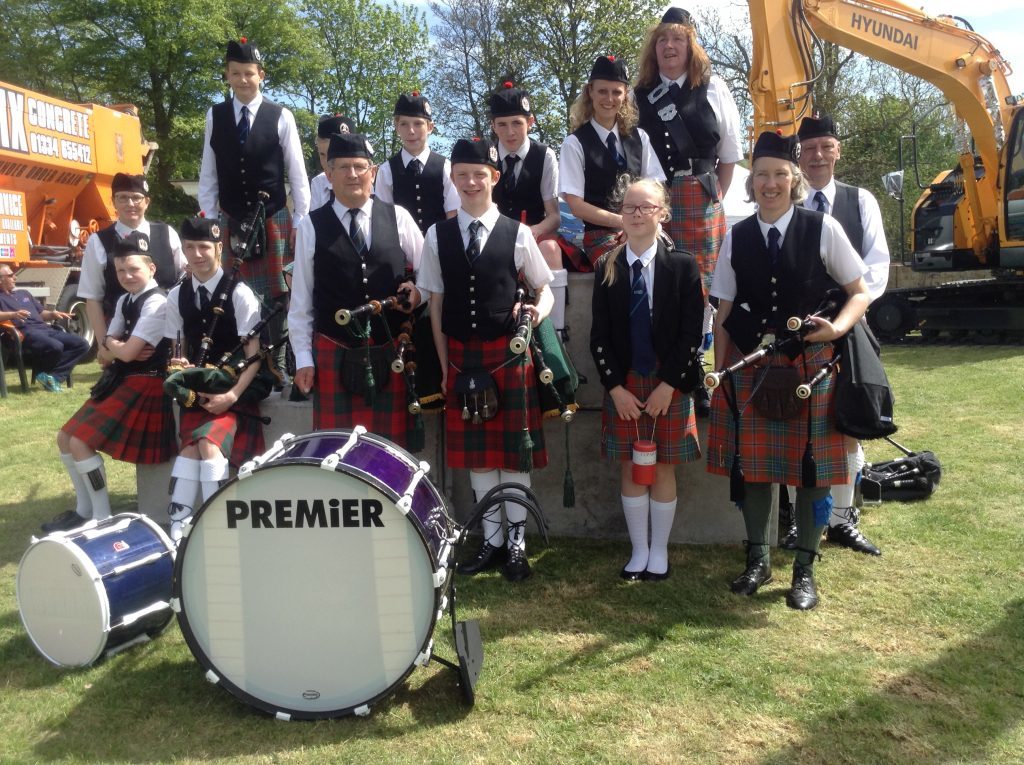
(417, 178)
(471, 266)
(320, 187)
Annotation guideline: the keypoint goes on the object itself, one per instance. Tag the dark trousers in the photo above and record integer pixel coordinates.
(54, 352)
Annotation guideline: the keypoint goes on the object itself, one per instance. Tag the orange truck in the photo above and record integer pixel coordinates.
(57, 161)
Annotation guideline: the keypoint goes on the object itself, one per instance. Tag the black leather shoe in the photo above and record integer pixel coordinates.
(487, 557)
(64, 522)
(848, 535)
(804, 595)
(788, 541)
(631, 576)
(517, 567)
(701, 401)
(650, 576)
(758, 572)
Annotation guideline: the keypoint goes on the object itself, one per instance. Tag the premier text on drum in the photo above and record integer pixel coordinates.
(313, 513)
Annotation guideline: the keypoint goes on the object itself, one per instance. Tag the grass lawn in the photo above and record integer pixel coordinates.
(915, 657)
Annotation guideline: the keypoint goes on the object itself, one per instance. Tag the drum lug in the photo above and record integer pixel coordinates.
(279, 446)
(440, 577)
(175, 604)
(115, 528)
(424, 658)
(405, 503)
(212, 677)
(442, 608)
(331, 461)
(118, 570)
(160, 605)
(283, 716)
(362, 711)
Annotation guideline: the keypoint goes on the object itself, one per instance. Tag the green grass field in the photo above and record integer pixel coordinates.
(915, 657)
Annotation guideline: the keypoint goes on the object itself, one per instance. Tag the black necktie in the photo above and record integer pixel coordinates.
(820, 202)
(509, 180)
(473, 250)
(773, 245)
(243, 126)
(619, 159)
(673, 90)
(641, 330)
(358, 241)
(415, 167)
(204, 299)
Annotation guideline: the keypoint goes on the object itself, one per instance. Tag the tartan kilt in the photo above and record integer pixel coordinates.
(239, 437)
(335, 408)
(493, 444)
(697, 225)
(264, 276)
(773, 450)
(675, 432)
(598, 242)
(133, 424)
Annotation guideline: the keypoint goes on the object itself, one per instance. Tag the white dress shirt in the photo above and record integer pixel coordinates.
(549, 175)
(319, 191)
(150, 326)
(384, 186)
(247, 307)
(730, 143)
(571, 162)
(92, 284)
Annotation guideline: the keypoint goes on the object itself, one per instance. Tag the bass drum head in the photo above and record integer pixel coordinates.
(305, 592)
(62, 602)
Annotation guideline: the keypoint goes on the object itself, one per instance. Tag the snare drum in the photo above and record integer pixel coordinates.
(309, 586)
(96, 589)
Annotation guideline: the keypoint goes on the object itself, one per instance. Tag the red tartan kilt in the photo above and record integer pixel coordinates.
(697, 225)
(238, 436)
(334, 407)
(598, 242)
(264, 276)
(133, 424)
(494, 444)
(675, 432)
(773, 450)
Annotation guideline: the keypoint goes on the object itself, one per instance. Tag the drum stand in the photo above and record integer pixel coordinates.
(469, 650)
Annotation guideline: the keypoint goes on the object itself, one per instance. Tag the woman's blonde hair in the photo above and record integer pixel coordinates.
(623, 185)
(698, 72)
(797, 192)
(583, 110)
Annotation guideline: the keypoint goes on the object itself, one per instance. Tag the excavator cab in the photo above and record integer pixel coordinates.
(1014, 195)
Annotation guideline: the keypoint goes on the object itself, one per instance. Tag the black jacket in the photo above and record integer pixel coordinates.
(678, 319)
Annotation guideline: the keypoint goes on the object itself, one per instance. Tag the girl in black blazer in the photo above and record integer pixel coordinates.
(646, 329)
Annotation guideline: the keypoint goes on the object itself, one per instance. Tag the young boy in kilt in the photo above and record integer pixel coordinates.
(471, 269)
(220, 431)
(133, 422)
(417, 178)
(646, 329)
(605, 145)
(774, 265)
(528, 191)
(251, 144)
(320, 191)
(350, 252)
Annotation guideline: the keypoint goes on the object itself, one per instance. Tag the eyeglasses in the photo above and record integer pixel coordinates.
(642, 209)
(357, 169)
(135, 199)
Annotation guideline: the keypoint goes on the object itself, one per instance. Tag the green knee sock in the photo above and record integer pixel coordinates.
(757, 514)
(808, 529)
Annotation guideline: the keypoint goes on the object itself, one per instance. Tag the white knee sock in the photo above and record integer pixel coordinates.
(95, 480)
(842, 494)
(709, 318)
(662, 515)
(559, 287)
(211, 473)
(483, 483)
(84, 503)
(637, 510)
(516, 514)
(184, 488)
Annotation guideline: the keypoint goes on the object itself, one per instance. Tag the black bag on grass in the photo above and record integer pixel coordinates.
(906, 479)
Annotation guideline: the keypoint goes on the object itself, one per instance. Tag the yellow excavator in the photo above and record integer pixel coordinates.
(970, 217)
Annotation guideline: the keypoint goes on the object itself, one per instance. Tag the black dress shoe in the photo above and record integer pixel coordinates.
(517, 567)
(848, 535)
(804, 595)
(631, 576)
(701, 401)
(758, 572)
(650, 576)
(788, 542)
(487, 557)
(64, 522)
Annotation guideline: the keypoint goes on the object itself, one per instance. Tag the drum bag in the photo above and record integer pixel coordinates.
(479, 393)
(863, 399)
(902, 480)
(775, 396)
(353, 363)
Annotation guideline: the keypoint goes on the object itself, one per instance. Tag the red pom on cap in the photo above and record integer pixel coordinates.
(338, 114)
(202, 214)
(476, 138)
(243, 40)
(508, 85)
(611, 58)
(778, 131)
(415, 94)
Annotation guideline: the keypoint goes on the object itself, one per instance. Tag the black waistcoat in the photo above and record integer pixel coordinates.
(194, 322)
(846, 211)
(526, 196)
(159, 252)
(795, 288)
(600, 170)
(478, 298)
(131, 311)
(341, 279)
(422, 196)
(700, 121)
(244, 171)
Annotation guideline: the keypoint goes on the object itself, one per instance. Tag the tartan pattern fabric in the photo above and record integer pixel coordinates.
(133, 424)
(335, 408)
(675, 432)
(264, 276)
(697, 225)
(238, 436)
(495, 443)
(772, 450)
(598, 242)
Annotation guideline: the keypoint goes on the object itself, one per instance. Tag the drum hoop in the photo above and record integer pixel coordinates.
(244, 696)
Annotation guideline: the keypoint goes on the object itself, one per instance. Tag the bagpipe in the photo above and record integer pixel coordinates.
(911, 477)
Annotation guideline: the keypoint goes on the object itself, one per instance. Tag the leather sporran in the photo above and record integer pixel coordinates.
(354, 366)
(775, 397)
(110, 378)
(479, 395)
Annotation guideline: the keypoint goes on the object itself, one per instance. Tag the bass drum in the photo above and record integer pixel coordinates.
(309, 586)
